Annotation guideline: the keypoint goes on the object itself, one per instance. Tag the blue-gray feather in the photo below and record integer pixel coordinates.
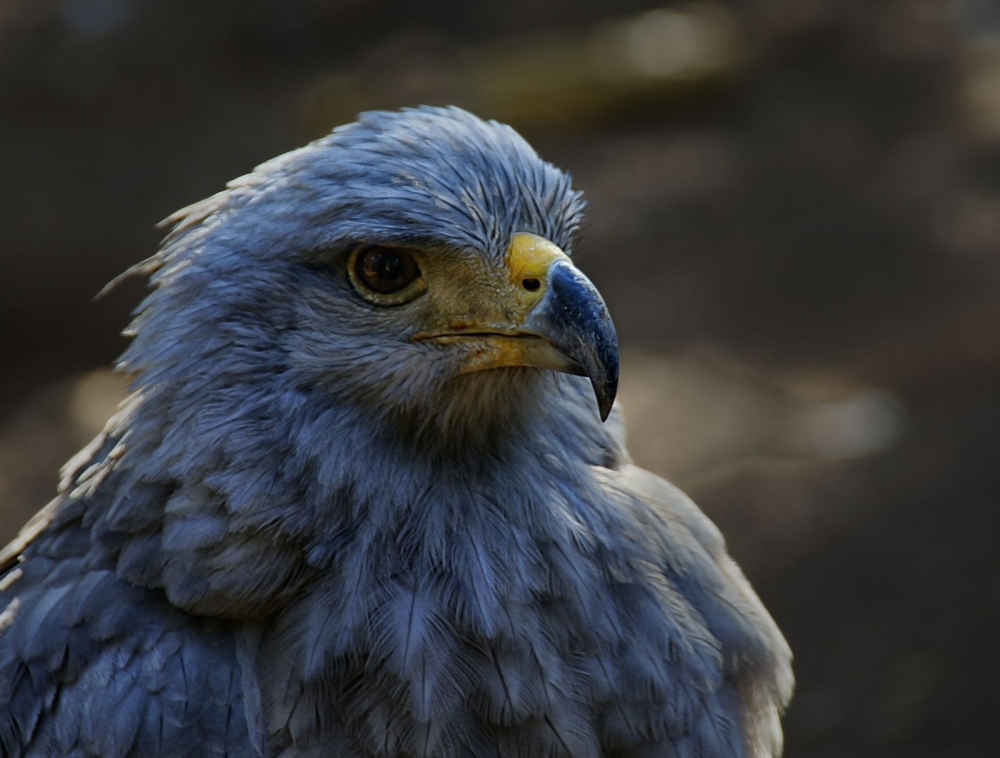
(297, 539)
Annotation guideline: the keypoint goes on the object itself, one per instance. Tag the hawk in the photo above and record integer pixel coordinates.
(368, 495)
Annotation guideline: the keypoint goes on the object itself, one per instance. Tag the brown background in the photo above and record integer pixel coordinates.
(795, 219)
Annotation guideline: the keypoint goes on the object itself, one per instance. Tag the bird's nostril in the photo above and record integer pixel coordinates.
(531, 285)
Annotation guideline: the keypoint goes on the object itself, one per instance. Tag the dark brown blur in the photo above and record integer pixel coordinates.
(794, 218)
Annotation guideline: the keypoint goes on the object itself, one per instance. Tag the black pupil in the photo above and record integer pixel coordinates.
(385, 270)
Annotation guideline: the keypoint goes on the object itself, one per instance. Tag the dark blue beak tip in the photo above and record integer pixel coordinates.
(604, 405)
(607, 390)
(585, 332)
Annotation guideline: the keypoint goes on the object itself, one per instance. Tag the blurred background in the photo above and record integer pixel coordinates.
(795, 220)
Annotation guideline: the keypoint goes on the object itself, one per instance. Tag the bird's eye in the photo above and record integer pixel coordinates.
(383, 270)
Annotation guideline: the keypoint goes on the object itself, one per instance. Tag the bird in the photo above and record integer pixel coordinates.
(368, 493)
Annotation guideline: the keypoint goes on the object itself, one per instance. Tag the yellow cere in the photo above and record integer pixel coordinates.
(530, 257)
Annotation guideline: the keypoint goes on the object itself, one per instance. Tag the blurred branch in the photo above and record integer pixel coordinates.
(557, 78)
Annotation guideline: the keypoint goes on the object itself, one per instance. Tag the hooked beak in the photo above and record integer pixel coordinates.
(553, 317)
(573, 319)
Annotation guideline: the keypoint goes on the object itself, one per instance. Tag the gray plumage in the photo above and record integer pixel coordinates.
(307, 534)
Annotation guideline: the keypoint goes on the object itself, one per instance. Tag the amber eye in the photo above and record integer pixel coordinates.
(385, 270)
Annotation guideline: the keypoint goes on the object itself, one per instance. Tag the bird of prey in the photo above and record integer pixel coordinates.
(361, 499)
